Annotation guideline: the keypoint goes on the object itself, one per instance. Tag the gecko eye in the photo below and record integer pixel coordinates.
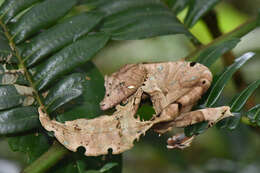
(193, 64)
(203, 82)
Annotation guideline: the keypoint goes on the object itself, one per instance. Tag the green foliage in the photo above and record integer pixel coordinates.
(45, 60)
(222, 80)
(34, 144)
(210, 54)
(196, 9)
(254, 115)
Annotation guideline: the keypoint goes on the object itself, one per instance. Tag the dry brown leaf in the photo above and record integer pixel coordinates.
(174, 88)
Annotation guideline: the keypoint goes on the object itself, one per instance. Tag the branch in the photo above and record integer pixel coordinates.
(55, 153)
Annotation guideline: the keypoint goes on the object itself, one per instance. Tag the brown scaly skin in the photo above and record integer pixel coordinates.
(173, 87)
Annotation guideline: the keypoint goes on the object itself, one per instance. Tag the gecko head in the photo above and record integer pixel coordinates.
(122, 84)
(195, 74)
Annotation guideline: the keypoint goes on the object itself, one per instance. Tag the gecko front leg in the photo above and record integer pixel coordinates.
(183, 104)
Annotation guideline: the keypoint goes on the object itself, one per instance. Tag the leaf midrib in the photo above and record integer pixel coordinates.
(22, 65)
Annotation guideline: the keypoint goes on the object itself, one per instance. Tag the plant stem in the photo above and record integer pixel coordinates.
(55, 153)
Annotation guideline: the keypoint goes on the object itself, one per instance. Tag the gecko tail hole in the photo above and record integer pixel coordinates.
(179, 106)
(193, 64)
(81, 150)
(110, 151)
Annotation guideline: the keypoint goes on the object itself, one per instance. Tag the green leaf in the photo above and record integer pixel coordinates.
(210, 54)
(239, 101)
(6, 53)
(64, 91)
(9, 97)
(196, 129)
(9, 78)
(81, 166)
(18, 120)
(10, 8)
(58, 37)
(107, 167)
(197, 8)
(143, 22)
(87, 105)
(231, 122)
(135, 19)
(92, 171)
(40, 16)
(220, 83)
(68, 59)
(115, 6)
(33, 144)
(130, 16)
(178, 5)
(253, 114)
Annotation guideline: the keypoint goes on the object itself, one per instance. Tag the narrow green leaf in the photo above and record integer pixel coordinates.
(177, 5)
(209, 55)
(220, 83)
(129, 16)
(40, 16)
(231, 122)
(196, 129)
(254, 113)
(143, 22)
(64, 91)
(9, 97)
(58, 37)
(68, 59)
(197, 9)
(33, 144)
(18, 120)
(239, 101)
(115, 6)
(107, 167)
(6, 53)
(10, 8)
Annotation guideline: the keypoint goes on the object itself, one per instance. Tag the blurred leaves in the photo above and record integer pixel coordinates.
(33, 144)
(105, 168)
(197, 8)
(253, 114)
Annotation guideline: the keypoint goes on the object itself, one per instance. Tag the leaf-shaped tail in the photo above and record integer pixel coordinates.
(97, 136)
